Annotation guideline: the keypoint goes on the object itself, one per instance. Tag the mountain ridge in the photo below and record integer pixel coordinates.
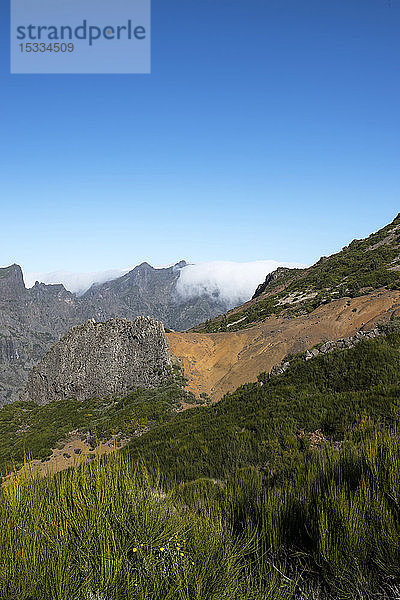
(363, 266)
(292, 311)
(218, 363)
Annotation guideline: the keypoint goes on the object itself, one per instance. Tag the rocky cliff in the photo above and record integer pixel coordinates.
(279, 274)
(31, 320)
(102, 360)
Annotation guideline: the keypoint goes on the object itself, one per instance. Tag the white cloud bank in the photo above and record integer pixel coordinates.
(233, 282)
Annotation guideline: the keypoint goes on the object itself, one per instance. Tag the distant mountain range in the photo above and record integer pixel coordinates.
(234, 281)
(32, 320)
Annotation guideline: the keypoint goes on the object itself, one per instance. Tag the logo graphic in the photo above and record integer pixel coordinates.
(80, 36)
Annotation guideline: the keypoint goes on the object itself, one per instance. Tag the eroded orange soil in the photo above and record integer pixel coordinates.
(216, 363)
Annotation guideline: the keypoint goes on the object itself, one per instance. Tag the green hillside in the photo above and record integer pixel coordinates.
(27, 429)
(308, 459)
(362, 266)
(287, 489)
(259, 424)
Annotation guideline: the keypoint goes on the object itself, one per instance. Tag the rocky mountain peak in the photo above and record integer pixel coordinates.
(180, 264)
(11, 282)
(32, 320)
(144, 266)
(53, 289)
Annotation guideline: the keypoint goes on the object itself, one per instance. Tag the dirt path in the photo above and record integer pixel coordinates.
(216, 363)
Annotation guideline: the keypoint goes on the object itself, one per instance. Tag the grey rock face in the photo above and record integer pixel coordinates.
(11, 282)
(270, 278)
(31, 320)
(102, 360)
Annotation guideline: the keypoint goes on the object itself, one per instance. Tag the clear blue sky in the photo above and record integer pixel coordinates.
(267, 129)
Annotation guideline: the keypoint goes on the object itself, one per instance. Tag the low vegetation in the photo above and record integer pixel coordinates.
(105, 530)
(289, 488)
(261, 424)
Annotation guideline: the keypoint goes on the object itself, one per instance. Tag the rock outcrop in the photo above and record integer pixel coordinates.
(102, 360)
(330, 346)
(271, 278)
(31, 321)
(11, 283)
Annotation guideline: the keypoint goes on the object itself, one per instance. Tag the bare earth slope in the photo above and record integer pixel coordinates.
(217, 363)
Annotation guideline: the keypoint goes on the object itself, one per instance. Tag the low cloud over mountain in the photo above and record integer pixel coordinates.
(77, 283)
(232, 282)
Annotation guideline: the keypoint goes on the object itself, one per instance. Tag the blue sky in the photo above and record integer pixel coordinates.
(267, 129)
